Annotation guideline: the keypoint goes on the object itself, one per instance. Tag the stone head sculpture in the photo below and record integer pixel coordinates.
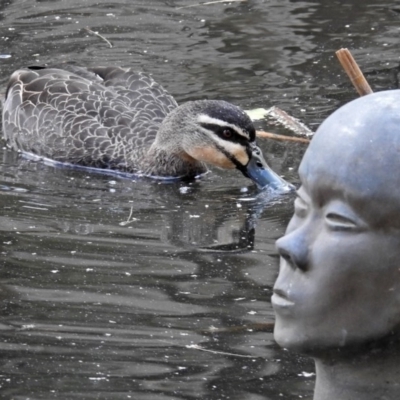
(337, 296)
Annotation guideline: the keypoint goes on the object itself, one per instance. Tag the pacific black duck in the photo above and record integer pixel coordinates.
(118, 119)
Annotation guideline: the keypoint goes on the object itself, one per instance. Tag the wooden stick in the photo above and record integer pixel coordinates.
(354, 72)
(270, 135)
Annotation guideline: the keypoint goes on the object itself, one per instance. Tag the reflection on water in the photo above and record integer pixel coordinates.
(114, 289)
(143, 288)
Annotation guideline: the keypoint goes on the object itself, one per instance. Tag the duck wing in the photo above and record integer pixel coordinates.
(105, 117)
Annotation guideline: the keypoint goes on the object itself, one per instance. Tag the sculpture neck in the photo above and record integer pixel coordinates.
(369, 375)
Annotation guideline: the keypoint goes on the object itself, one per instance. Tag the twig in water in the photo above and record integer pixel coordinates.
(197, 347)
(210, 2)
(252, 327)
(100, 36)
(129, 220)
(275, 136)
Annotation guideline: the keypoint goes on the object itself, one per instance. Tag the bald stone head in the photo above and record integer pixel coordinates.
(339, 278)
(359, 145)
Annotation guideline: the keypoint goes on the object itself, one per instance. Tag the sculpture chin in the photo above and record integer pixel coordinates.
(302, 343)
(320, 343)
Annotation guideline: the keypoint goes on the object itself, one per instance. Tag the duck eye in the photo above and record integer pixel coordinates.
(227, 133)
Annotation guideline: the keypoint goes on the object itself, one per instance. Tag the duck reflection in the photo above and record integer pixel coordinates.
(222, 221)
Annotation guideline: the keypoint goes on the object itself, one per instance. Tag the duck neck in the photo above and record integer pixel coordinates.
(171, 162)
(167, 155)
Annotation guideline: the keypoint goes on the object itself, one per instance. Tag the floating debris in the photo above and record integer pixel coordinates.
(277, 116)
(280, 117)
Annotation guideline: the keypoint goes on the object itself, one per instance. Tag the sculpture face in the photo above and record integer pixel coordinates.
(339, 279)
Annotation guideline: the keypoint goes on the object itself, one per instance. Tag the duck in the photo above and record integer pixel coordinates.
(119, 119)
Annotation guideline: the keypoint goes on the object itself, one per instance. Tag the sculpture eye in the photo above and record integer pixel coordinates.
(227, 133)
(340, 216)
(340, 222)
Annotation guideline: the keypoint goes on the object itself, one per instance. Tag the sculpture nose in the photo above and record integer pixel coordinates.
(294, 250)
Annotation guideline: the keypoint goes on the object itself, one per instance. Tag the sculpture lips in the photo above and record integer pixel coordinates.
(280, 300)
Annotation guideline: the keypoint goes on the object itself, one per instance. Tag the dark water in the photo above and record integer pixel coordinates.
(116, 289)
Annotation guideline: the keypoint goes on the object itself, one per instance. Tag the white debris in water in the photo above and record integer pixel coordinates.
(306, 374)
(29, 326)
(212, 328)
(194, 216)
(256, 114)
(247, 199)
(184, 189)
(252, 312)
(55, 271)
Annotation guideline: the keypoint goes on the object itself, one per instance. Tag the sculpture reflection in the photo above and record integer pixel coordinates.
(337, 296)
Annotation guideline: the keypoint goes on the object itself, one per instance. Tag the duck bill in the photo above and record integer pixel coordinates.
(259, 171)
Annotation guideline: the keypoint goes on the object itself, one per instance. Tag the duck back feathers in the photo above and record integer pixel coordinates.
(105, 117)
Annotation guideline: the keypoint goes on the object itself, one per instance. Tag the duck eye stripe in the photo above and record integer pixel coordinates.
(219, 129)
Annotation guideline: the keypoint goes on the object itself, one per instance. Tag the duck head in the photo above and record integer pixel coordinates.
(218, 133)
